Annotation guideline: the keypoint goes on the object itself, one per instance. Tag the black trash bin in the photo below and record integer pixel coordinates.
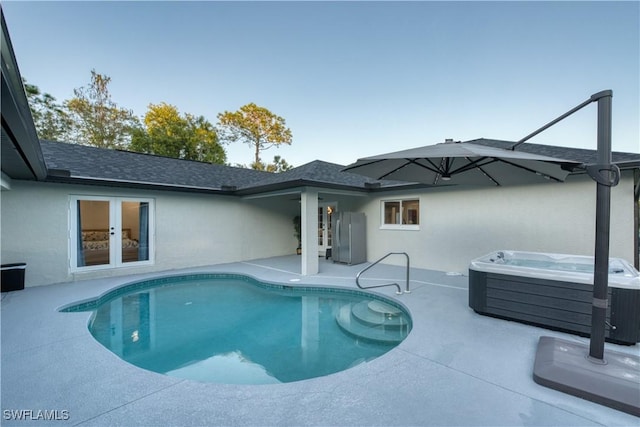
(12, 277)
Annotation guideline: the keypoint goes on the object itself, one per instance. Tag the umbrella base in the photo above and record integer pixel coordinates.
(565, 366)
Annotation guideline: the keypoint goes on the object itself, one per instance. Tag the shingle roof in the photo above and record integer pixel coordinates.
(78, 163)
(72, 162)
(575, 154)
(318, 173)
(92, 163)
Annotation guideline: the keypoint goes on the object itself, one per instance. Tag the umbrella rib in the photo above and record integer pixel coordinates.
(475, 164)
(392, 171)
(487, 174)
(472, 164)
(355, 166)
(409, 161)
(435, 169)
(530, 170)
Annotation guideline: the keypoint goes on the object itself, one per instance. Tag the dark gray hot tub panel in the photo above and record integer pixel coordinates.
(552, 304)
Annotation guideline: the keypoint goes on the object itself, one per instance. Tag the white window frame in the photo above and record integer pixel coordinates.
(406, 227)
(115, 219)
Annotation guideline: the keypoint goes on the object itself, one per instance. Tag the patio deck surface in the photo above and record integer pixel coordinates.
(455, 368)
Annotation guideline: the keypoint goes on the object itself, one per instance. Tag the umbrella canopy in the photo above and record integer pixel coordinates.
(463, 163)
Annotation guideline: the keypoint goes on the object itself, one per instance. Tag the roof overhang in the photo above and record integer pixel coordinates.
(21, 153)
(64, 177)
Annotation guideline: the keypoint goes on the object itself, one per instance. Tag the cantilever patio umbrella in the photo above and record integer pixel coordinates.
(466, 163)
(560, 364)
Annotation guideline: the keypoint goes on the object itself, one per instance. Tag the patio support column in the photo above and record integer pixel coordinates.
(309, 225)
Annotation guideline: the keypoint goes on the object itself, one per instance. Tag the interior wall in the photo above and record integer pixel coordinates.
(95, 214)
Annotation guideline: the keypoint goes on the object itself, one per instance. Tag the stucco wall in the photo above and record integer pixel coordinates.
(191, 230)
(196, 229)
(457, 226)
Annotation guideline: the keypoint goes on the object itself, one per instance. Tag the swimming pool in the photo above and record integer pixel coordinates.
(233, 329)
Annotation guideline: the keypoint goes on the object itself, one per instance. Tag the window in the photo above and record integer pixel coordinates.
(110, 232)
(401, 214)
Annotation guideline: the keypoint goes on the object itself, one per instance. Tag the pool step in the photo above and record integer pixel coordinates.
(374, 321)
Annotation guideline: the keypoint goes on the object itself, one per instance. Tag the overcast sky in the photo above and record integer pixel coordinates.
(351, 79)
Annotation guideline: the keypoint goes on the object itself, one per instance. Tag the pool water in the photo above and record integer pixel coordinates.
(240, 331)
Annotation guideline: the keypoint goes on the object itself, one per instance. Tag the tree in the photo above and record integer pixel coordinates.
(98, 121)
(168, 133)
(52, 121)
(256, 126)
(278, 165)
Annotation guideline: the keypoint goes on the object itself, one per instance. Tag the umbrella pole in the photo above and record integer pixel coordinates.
(603, 219)
(606, 176)
(561, 364)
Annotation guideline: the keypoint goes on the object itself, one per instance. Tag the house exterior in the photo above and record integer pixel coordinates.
(73, 212)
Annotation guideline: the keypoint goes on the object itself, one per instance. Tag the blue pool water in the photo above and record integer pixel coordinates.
(235, 330)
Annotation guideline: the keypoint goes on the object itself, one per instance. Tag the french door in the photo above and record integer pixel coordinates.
(325, 233)
(110, 232)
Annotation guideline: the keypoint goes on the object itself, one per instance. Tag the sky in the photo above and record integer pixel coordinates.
(351, 79)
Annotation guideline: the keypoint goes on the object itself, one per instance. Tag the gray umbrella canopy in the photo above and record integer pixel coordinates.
(463, 163)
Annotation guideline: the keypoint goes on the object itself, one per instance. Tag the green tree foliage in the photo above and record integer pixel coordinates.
(256, 126)
(278, 165)
(52, 121)
(98, 121)
(168, 133)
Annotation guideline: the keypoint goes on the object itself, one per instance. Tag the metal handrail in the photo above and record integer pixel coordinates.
(399, 291)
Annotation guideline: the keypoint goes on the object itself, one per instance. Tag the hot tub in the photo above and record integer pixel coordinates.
(555, 291)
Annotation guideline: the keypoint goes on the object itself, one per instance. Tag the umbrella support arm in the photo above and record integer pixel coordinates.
(595, 97)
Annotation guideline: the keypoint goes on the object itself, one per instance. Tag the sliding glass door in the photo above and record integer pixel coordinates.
(110, 231)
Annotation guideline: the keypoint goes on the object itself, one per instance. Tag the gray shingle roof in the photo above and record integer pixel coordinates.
(92, 163)
(78, 163)
(575, 154)
(318, 173)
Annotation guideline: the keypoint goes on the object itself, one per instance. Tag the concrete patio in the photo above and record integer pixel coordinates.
(455, 368)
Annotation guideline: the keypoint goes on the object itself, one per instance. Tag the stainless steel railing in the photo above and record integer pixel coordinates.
(399, 291)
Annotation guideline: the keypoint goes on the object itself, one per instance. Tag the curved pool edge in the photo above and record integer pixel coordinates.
(89, 304)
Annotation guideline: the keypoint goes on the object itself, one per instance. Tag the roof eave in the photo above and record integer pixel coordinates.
(17, 123)
(325, 185)
(59, 177)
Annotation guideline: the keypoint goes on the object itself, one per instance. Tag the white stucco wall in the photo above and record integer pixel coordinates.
(457, 226)
(198, 229)
(191, 230)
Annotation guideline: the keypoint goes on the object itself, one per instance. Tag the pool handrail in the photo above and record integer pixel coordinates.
(399, 291)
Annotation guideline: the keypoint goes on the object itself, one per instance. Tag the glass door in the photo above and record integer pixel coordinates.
(325, 233)
(94, 233)
(110, 232)
(134, 245)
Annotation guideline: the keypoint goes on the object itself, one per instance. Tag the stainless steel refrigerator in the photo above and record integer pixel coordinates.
(349, 242)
